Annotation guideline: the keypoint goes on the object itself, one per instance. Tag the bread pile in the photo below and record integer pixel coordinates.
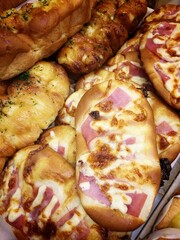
(81, 160)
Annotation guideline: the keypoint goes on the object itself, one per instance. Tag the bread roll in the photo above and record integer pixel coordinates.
(117, 170)
(31, 104)
(37, 30)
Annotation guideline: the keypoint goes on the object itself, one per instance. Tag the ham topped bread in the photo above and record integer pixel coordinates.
(127, 65)
(39, 199)
(160, 50)
(117, 170)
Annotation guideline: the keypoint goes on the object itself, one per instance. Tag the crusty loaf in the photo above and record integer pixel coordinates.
(111, 24)
(37, 30)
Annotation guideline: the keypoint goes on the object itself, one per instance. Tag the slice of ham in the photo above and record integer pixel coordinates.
(119, 98)
(163, 76)
(81, 231)
(164, 29)
(94, 190)
(66, 217)
(138, 200)
(48, 194)
(130, 141)
(13, 185)
(61, 150)
(164, 128)
(87, 131)
(19, 223)
(134, 70)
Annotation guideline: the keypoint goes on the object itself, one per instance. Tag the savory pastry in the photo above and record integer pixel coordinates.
(117, 171)
(127, 65)
(39, 198)
(30, 105)
(62, 140)
(111, 24)
(36, 30)
(159, 48)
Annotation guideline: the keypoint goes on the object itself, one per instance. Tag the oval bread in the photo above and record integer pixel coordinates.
(117, 170)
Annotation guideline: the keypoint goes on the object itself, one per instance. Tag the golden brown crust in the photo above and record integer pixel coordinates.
(89, 49)
(167, 12)
(113, 219)
(31, 104)
(36, 31)
(116, 220)
(149, 59)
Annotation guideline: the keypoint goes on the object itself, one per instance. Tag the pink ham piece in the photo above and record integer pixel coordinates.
(134, 70)
(46, 200)
(119, 98)
(88, 132)
(94, 190)
(13, 185)
(163, 76)
(164, 29)
(18, 223)
(132, 48)
(81, 231)
(6, 231)
(61, 150)
(164, 128)
(66, 217)
(130, 140)
(138, 200)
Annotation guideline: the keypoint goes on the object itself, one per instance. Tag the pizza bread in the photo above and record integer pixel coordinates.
(117, 170)
(31, 104)
(39, 198)
(121, 66)
(166, 12)
(160, 56)
(62, 140)
(36, 30)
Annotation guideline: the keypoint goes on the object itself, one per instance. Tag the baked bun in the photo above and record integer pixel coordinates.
(31, 104)
(39, 198)
(126, 65)
(117, 170)
(62, 140)
(36, 30)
